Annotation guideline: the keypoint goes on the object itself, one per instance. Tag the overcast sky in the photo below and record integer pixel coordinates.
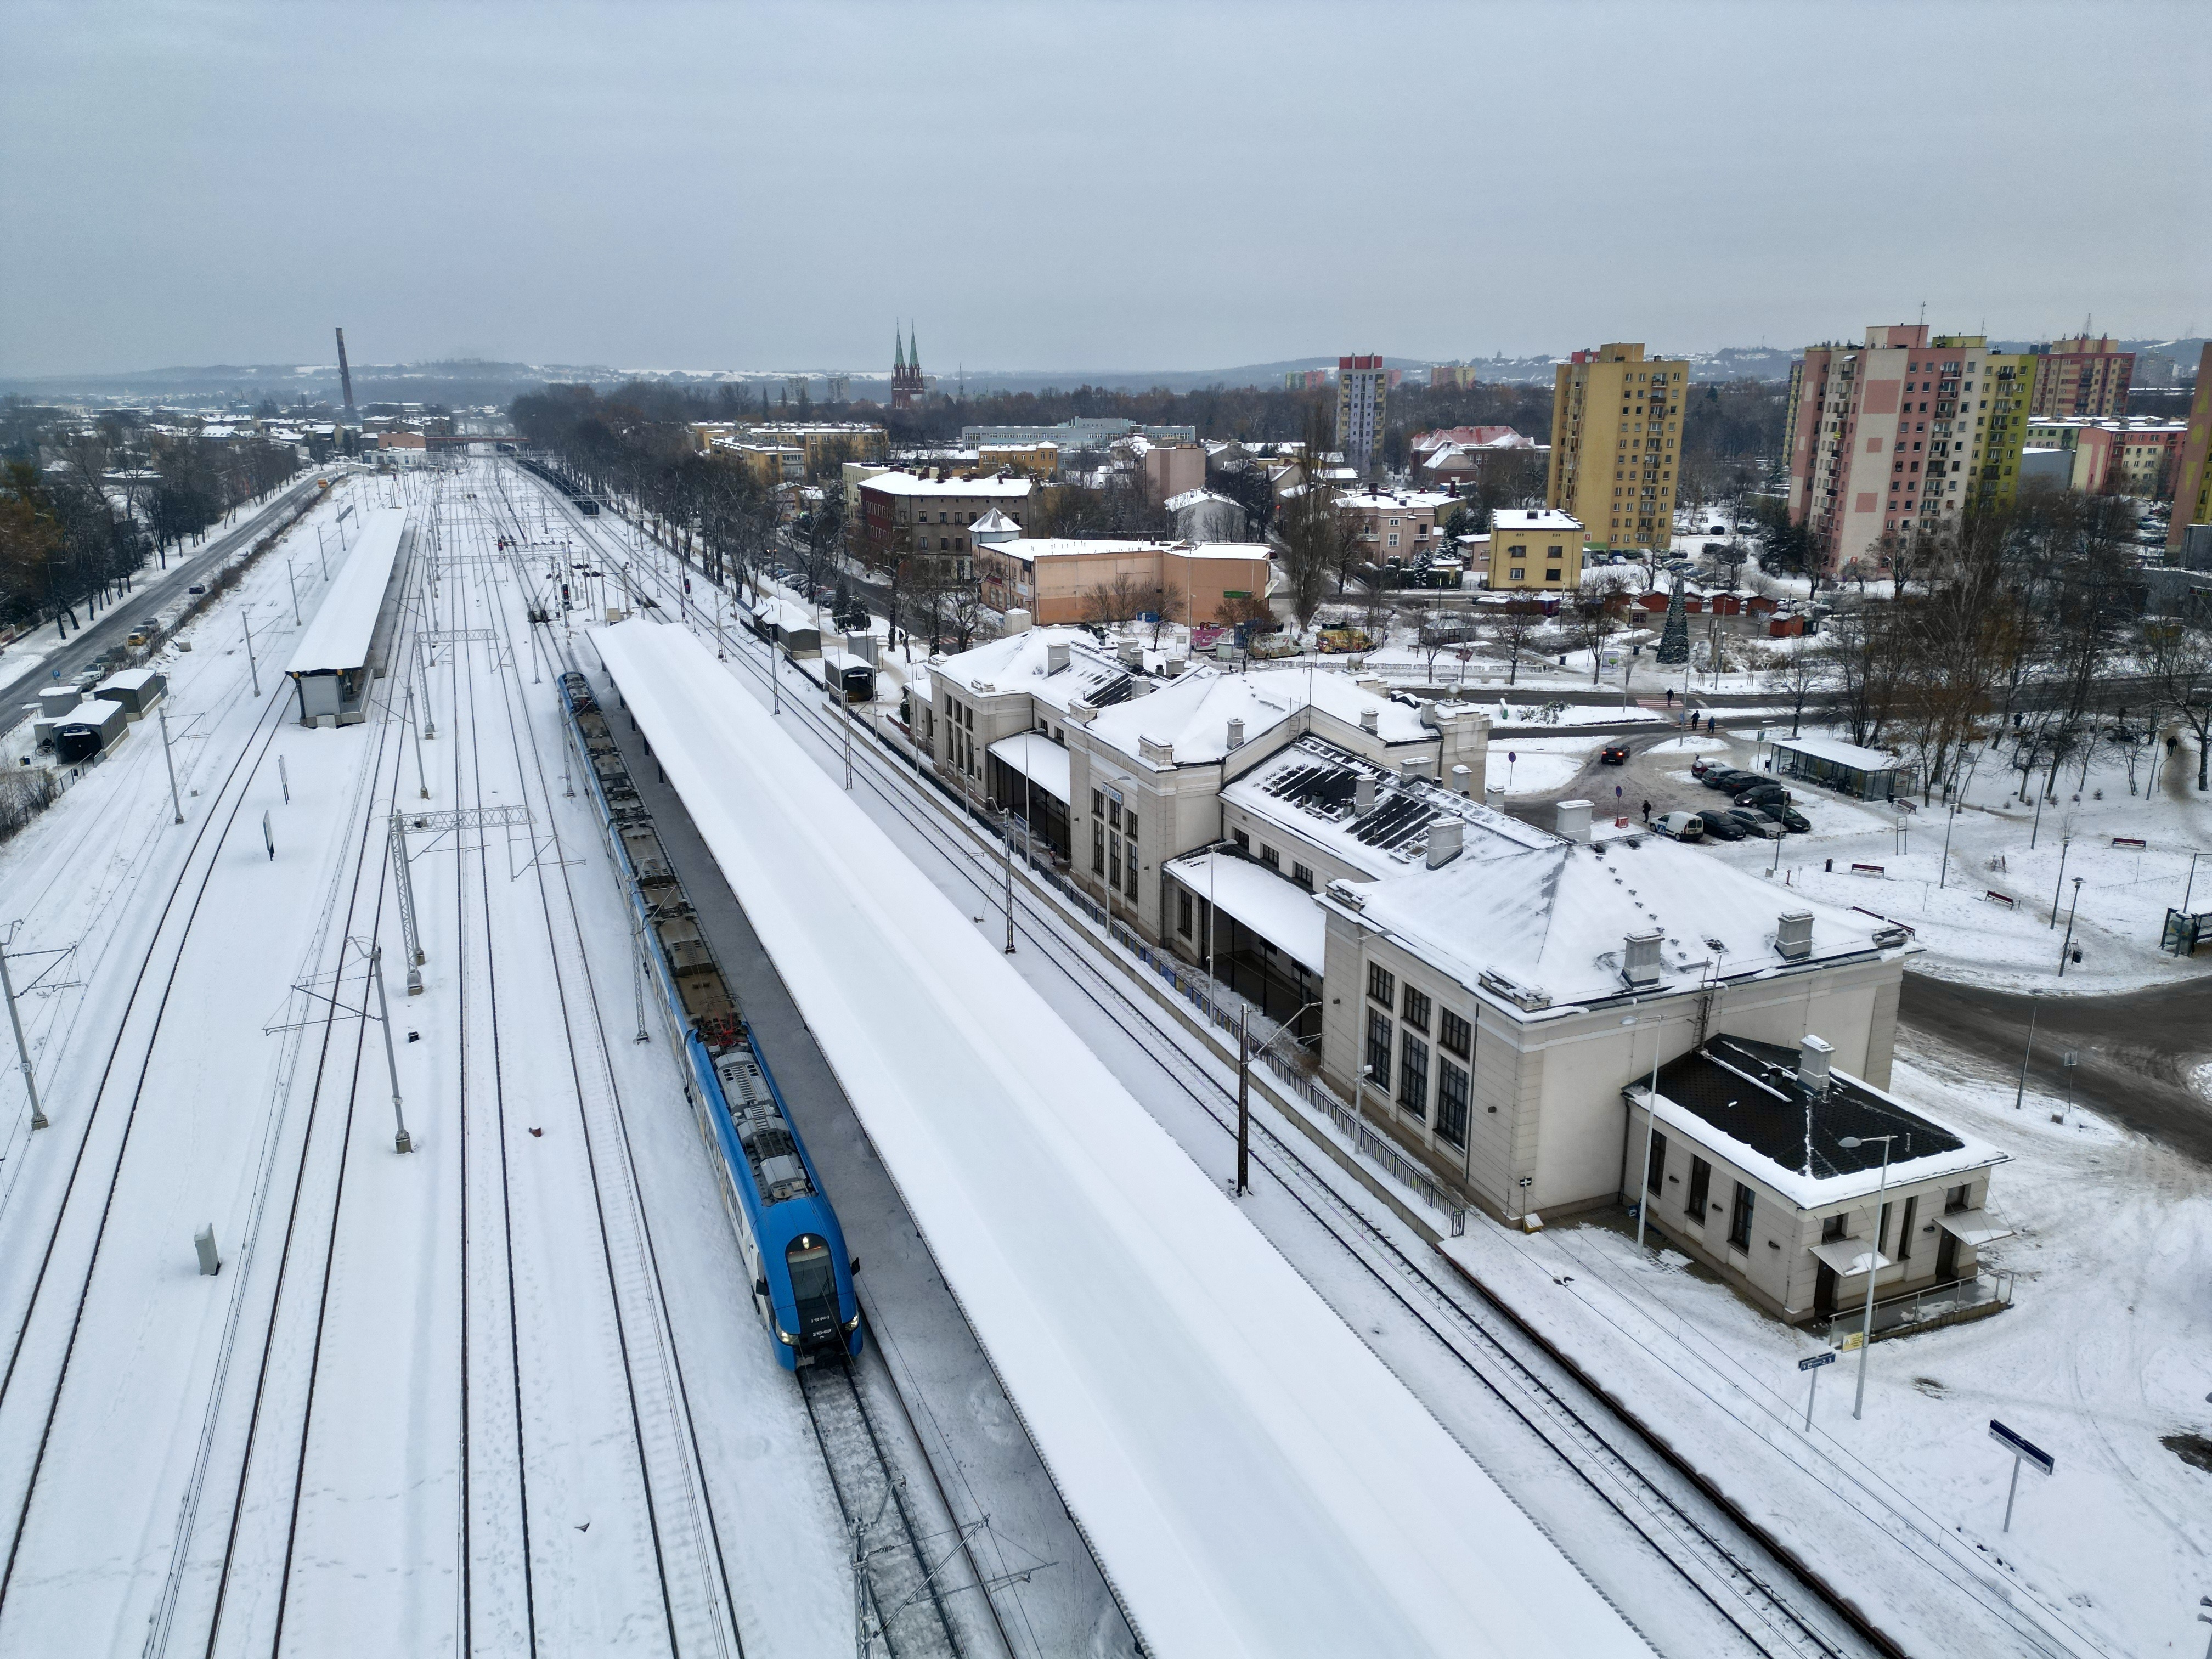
(1109, 186)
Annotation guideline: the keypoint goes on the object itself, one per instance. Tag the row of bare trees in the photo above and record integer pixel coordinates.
(2020, 638)
(75, 531)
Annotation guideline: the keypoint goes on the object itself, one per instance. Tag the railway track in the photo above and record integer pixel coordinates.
(697, 1604)
(1757, 1592)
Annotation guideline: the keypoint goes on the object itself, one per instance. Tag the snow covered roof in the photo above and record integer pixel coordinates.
(1191, 498)
(1259, 1480)
(1280, 911)
(1222, 549)
(1033, 548)
(1015, 489)
(1529, 916)
(1191, 715)
(1023, 662)
(1037, 758)
(337, 639)
(1471, 437)
(1743, 1100)
(1410, 501)
(1515, 521)
(994, 522)
(1839, 753)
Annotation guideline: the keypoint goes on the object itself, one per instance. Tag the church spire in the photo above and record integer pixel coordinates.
(898, 346)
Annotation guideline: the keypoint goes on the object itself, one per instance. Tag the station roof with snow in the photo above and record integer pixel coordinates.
(1759, 1113)
(1523, 914)
(337, 641)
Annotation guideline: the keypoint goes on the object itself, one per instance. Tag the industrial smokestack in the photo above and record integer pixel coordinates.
(345, 378)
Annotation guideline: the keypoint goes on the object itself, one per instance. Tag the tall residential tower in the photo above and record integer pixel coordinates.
(1900, 436)
(1623, 497)
(1362, 392)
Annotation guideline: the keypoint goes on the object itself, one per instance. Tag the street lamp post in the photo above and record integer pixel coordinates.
(2034, 1007)
(2066, 948)
(1651, 1117)
(1874, 1263)
(2059, 886)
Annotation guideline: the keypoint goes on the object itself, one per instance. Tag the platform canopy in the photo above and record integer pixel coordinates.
(337, 641)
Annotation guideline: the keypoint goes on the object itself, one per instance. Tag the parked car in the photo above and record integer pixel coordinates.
(1756, 823)
(1614, 754)
(195, 588)
(1788, 816)
(1722, 827)
(1759, 794)
(1680, 826)
(1728, 779)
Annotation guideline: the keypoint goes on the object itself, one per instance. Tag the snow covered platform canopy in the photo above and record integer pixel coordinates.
(1867, 773)
(330, 671)
(1252, 1477)
(1036, 759)
(1281, 913)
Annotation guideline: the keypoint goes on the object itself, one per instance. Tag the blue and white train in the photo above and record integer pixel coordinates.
(793, 1250)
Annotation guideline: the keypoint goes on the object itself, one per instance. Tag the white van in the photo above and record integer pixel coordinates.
(1682, 826)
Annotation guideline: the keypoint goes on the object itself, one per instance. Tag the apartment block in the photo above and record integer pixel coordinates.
(2192, 476)
(1363, 395)
(1900, 436)
(1616, 437)
(2081, 376)
(923, 523)
(1540, 548)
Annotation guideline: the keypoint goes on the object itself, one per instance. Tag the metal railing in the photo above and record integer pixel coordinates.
(1938, 1303)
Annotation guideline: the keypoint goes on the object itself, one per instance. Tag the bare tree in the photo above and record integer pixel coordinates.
(1801, 675)
(2180, 671)
(1515, 626)
(1116, 601)
(1594, 615)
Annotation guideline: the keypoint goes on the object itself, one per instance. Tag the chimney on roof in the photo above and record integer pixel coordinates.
(1130, 654)
(1055, 656)
(1370, 722)
(1574, 819)
(1236, 734)
(1363, 795)
(1813, 1057)
(1463, 779)
(1444, 839)
(1793, 935)
(1416, 766)
(1081, 713)
(1639, 962)
(1493, 796)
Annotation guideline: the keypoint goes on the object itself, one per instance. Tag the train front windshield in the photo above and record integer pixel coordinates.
(814, 1289)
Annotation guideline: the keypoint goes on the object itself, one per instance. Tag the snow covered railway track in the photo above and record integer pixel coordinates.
(674, 1512)
(251, 1309)
(903, 1609)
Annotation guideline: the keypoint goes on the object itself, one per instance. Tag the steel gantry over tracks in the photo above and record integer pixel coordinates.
(430, 823)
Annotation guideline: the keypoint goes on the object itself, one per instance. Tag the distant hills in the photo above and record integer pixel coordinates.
(469, 381)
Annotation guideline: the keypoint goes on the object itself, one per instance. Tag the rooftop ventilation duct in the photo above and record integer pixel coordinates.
(1463, 780)
(1371, 721)
(1363, 795)
(1056, 655)
(1493, 796)
(1444, 841)
(1793, 935)
(1640, 958)
(1177, 667)
(1236, 734)
(1574, 819)
(1417, 766)
(1814, 1058)
(1130, 654)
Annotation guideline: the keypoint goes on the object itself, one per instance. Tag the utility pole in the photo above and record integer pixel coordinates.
(2064, 847)
(23, 1048)
(2034, 1008)
(1006, 852)
(252, 668)
(1244, 1104)
(2067, 949)
(163, 713)
(400, 1142)
(294, 586)
(1873, 1261)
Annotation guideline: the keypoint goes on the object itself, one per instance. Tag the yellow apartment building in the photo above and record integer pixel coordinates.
(1616, 444)
(1539, 548)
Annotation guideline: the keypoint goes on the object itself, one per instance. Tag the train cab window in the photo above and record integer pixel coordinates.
(813, 1288)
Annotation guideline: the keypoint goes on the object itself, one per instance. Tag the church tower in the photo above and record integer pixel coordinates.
(906, 374)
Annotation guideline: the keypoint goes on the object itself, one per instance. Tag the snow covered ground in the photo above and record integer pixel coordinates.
(1986, 915)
